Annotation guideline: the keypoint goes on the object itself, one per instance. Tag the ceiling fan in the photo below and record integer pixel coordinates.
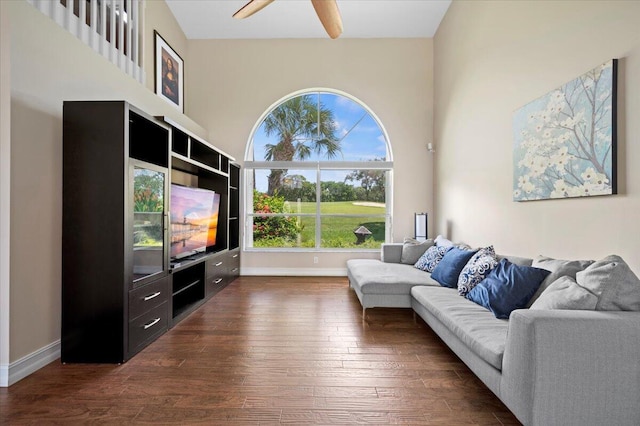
(327, 11)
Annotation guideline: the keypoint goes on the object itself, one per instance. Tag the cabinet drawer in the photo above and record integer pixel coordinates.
(216, 266)
(233, 263)
(215, 284)
(143, 329)
(234, 269)
(151, 295)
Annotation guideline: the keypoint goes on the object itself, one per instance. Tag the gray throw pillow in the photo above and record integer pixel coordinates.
(558, 268)
(565, 293)
(611, 279)
(413, 249)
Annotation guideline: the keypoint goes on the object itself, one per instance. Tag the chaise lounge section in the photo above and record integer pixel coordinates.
(549, 367)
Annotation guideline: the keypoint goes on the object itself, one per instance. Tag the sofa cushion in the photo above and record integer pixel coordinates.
(449, 268)
(372, 276)
(508, 287)
(565, 293)
(430, 259)
(412, 250)
(559, 268)
(476, 327)
(611, 279)
(516, 260)
(476, 269)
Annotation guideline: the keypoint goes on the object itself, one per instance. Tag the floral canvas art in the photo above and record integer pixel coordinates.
(565, 141)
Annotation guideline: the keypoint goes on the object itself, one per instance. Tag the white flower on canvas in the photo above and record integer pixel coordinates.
(560, 189)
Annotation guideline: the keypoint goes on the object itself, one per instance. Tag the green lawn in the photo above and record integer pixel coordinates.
(337, 232)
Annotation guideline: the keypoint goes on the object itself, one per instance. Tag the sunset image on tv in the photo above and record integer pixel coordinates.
(191, 215)
(213, 223)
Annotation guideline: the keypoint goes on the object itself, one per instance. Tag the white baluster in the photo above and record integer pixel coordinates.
(125, 47)
(141, 42)
(93, 25)
(103, 29)
(121, 36)
(129, 36)
(112, 16)
(82, 19)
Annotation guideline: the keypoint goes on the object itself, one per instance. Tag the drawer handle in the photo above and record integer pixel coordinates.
(217, 281)
(219, 263)
(234, 270)
(151, 324)
(235, 255)
(152, 296)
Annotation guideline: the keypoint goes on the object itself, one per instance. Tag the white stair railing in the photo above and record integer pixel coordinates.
(113, 28)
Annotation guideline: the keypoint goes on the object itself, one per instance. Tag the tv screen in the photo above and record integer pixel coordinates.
(213, 223)
(193, 219)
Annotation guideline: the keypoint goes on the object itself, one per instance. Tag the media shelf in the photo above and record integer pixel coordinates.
(115, 282)
(234, 206)
(120, 290)
(196, 163)
(188, 288)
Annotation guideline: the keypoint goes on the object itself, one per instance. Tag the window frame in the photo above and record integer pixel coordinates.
(250, 165)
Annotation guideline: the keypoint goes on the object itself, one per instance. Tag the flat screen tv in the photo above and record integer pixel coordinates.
(213, 223)
(193, 220)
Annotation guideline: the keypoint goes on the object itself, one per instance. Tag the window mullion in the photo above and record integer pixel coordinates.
(318, 205)
(326, 165)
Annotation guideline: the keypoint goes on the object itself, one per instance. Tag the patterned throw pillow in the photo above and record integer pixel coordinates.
(476, 269)
(430, 259)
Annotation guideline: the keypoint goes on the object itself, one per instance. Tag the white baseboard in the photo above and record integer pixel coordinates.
(295, 272)
(18, 370)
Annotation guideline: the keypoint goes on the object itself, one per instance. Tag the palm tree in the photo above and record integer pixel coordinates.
(303, 126)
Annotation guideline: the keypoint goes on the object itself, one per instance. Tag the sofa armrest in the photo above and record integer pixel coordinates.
(391, 252)
(572, 367)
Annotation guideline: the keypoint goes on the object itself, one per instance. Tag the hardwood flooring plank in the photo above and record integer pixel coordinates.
(269, 351)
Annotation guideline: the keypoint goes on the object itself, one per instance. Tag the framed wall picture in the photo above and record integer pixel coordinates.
(565, 142)
(169, 73)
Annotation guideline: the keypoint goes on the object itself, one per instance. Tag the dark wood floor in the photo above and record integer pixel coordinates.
(270, 351)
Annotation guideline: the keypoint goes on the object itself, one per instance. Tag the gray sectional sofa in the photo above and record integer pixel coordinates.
(549, 367)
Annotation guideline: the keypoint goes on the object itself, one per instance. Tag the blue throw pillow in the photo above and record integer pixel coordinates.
(507, 287)
(430, 259)
(449, 268)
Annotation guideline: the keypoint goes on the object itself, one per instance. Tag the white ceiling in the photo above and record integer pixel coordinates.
(211, 19)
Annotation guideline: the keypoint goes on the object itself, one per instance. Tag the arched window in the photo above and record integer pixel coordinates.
(318, 171)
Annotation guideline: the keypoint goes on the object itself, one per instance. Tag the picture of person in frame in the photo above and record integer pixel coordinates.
(170, 78)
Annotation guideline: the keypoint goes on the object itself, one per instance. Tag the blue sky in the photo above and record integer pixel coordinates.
(361, 139)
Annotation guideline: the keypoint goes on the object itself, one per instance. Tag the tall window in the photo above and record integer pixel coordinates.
(318, 174)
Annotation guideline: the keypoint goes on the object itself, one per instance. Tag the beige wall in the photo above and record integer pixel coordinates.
(230, 84)
(48, 66)
(5, 184)
(492, 58)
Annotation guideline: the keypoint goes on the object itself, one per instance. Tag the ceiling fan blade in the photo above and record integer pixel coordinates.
(250, 8)
(327, 11)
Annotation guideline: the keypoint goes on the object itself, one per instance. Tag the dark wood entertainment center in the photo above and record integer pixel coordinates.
(120, 288)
